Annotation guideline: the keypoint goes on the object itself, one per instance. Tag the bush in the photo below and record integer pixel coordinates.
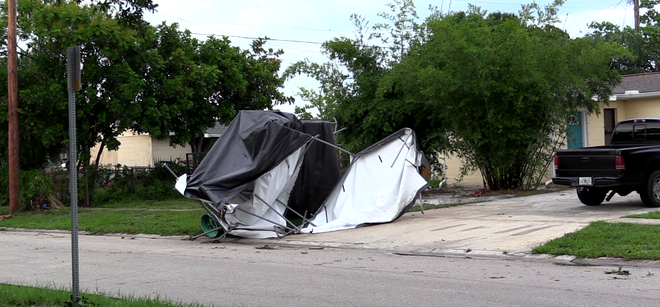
(130, 184)
(35, 188)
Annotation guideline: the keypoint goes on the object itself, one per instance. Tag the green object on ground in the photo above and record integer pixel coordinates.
(209, 223)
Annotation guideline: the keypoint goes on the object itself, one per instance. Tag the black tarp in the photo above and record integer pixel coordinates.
(254, 143)
(319, 172)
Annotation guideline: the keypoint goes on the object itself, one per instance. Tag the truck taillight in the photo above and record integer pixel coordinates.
(556, 162)
(620, 163)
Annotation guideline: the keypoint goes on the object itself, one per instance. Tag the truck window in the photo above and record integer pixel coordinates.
(653, 131)
(623, 133)
(639, 132)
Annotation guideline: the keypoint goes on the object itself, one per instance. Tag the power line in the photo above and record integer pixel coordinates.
(270, 39)
(614, 6)
(277, 27)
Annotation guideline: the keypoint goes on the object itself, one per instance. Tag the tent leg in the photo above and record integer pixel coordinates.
(263, 218)
(315, 138)
(298, 214)
(206, 232)
(405, 144)
(421, 202)
(271, 208)
(222, 237)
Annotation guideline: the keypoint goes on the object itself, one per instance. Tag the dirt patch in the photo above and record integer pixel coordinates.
(476, 194)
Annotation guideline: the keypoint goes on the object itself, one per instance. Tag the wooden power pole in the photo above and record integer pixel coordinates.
(12, 89)
(636, 6)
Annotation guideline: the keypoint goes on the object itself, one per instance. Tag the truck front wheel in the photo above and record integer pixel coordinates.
(651, 196)
(592, 196)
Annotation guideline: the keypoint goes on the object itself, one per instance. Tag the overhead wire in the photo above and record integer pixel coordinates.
(613, 6)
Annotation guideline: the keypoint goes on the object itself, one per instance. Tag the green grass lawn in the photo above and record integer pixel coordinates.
(178, 203)
(12, 296)
(603, 239)
(650, 215)
(160, 218)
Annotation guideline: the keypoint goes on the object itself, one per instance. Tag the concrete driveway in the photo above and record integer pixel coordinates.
(506, 226)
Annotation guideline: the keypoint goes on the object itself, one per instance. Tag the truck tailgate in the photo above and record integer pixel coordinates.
(590, 162)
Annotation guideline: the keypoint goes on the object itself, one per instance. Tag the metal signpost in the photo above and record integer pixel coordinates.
(73, 79)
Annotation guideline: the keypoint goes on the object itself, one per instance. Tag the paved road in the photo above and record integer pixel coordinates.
(230, 274)
(461, 270)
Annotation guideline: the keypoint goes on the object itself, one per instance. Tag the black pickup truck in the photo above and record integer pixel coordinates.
(630, 163)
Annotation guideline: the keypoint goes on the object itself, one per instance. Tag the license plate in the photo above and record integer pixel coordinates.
(584, 181)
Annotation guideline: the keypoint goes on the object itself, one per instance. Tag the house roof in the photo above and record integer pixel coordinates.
(215, 131)
(638, 86)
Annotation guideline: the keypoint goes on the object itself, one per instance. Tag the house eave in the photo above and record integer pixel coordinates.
(633, 96)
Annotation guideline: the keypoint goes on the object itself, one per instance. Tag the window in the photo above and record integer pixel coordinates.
(653, 131)
(639, 132)
(623, 133)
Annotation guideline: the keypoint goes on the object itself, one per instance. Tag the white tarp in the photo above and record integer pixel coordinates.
(254, 212)
(379, 185)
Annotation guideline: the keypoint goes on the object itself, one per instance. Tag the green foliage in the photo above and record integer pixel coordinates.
(124, 184)
(643, 45)
(35, 188)
(112, 61)
(134, 76)
(152, 220)
(13, 296)
(648, 215)
(492, 88)
(603, 239)
(502, 89)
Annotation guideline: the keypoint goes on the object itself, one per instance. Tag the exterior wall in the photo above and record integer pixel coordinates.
(596, 129)
(642, 108)
(140, 150)
(162, 151)
(135, 150)
(625, 109)
(454, 165)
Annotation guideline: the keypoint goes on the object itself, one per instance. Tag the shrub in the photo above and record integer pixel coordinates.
(129, 184)
(35, 188)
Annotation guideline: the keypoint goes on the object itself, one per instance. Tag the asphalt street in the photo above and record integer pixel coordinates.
(470, 255)
(233, 274)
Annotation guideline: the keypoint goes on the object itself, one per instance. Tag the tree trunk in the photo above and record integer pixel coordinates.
(98, 155)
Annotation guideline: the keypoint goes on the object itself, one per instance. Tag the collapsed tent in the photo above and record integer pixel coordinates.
(270, 168)
(380, 185)
(246, 179)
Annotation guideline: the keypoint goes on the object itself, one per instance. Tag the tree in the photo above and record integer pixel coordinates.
(134, 77)
(193, 85)
(349, 82)
(503, 88)
(643, 46)
(112, 61)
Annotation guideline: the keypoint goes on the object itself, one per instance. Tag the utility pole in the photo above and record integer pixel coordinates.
(636, 5)
(12, 89)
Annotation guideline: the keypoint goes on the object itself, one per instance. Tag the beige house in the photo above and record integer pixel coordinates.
(637, 96)
(143, 150)
(139, 150)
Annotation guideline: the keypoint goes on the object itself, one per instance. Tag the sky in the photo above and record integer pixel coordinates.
(300, 26)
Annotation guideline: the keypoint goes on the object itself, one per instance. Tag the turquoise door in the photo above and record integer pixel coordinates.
(574, 137)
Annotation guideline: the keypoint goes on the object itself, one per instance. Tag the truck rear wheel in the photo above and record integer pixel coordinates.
(651, 196)
(591, 196)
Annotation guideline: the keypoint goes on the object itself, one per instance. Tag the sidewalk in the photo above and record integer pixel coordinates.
(509, 226)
